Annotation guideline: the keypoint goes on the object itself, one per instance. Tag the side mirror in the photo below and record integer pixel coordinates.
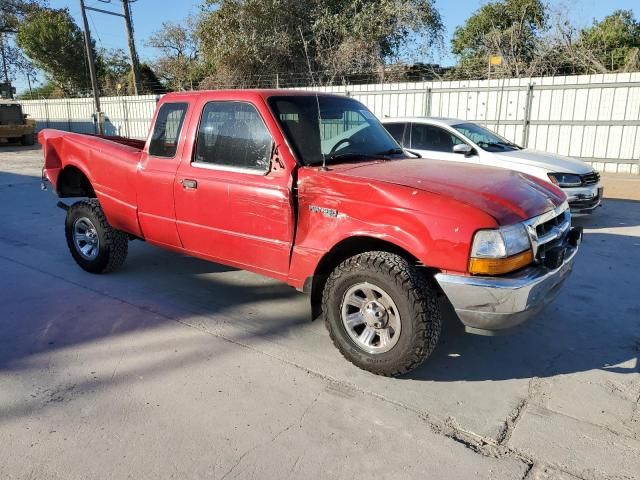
(463, 148)
(25, 115)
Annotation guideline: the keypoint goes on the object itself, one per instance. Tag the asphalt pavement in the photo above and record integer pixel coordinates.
(173, 367)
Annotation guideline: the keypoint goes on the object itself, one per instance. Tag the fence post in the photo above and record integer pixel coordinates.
(125, 111)
(427, 102)
(46, 111)
(69, 115)
(527, 116)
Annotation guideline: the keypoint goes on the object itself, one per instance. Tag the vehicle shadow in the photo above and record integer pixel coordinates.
(594, 324)
(18, 147)
(613, 213)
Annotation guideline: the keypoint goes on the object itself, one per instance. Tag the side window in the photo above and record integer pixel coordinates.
(435, 139)
(396, 130)
(233, 134)
(166, 131)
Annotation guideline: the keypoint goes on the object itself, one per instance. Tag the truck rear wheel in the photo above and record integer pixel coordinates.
(382, 313)
(28, 139)
(94, 244)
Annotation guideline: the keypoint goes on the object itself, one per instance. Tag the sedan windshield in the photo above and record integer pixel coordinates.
(342, 130)
(485, 139)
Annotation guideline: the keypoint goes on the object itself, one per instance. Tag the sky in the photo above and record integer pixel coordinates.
(109, 31)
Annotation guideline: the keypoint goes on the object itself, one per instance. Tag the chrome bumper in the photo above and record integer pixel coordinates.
(584, 199)
(487, 305)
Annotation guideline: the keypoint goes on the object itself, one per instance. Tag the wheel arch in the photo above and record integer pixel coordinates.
(73, 182)
(343, 250)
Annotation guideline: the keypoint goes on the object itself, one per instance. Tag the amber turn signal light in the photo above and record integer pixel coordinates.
(498, 266)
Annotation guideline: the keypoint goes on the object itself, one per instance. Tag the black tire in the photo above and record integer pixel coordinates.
(28, 139)
(112, 244)
(412, 293)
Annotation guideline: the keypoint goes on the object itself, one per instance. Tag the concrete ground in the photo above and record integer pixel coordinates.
(178, 368)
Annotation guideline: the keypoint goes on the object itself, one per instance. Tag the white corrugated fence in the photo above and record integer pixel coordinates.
(592, 117)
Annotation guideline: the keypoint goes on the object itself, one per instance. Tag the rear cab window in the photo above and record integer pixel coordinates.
(166, 131)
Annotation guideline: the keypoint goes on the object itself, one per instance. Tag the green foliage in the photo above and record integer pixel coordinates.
(14, 12)
(258, 38)
(55, 44)
(149, 80)
(47, 90)
(614, 41)
(510, 28)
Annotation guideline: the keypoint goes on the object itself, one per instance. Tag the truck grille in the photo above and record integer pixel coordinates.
(549, 230)
(590, 178)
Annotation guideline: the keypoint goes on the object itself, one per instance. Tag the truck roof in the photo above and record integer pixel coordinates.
(4, 101)
(248, 93)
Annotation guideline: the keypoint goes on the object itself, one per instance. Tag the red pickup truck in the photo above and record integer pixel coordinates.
(311, 190)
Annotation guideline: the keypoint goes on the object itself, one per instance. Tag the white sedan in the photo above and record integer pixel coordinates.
(463, 141)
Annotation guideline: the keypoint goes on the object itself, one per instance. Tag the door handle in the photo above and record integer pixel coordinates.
(189, 184)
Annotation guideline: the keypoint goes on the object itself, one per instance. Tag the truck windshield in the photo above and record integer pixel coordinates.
(10, 114)
(343, 129)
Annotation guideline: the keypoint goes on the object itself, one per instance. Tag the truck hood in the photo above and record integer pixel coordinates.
(549, 161)
(507, 196)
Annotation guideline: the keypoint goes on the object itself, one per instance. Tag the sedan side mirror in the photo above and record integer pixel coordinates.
(463, 148)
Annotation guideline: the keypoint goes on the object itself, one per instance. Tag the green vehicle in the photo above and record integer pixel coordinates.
(14, 125)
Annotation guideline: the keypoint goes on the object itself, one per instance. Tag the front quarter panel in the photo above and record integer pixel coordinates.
(434, 229)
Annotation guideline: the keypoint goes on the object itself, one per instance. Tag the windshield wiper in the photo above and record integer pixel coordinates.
(495, 144)
(509, 144)
(350, 156)
(391, 151)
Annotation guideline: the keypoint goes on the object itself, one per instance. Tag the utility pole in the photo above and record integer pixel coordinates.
(135, 64)
(5, 69)
(29, 83)
(92, 69)
(126, 14)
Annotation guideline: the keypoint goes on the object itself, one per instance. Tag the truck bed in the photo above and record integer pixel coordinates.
(109, 164)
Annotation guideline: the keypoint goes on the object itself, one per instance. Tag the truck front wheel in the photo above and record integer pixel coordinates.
(94, 244)
(382, 313)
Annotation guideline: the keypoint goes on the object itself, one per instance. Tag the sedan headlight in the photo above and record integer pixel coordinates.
(500, 250)
(565, 179)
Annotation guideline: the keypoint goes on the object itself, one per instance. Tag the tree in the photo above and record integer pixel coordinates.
(249, 42)
(510, 28)
(113, 71)
(179, 64)
(614, 42)
(55, 44)
(368, 34)
(12, 14)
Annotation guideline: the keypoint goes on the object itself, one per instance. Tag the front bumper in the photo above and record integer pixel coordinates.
(488, 305)
(584, 199)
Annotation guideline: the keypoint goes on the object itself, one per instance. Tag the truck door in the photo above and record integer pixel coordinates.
(156, 175)
(231, 206)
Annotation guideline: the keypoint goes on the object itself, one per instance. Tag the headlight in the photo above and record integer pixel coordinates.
(565, 179)
(501, 250)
